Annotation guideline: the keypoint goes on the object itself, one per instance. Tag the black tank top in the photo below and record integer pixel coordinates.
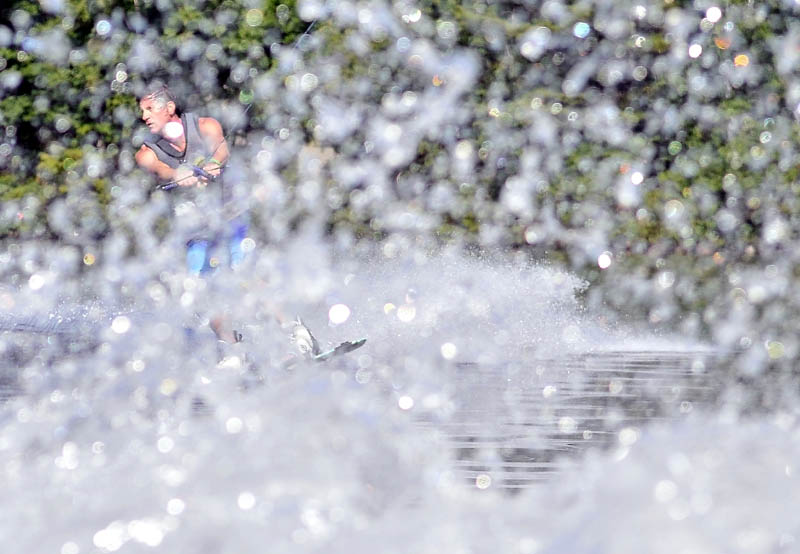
(196, 151)
(213, 202)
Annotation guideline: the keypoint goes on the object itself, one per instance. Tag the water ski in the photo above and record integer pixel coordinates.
(339, 349)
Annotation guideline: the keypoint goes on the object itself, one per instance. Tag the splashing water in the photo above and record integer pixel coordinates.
(151, 443)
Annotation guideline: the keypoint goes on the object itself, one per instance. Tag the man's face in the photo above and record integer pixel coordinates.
(156, 113)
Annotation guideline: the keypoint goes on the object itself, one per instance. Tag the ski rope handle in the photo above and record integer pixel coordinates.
(197, 171)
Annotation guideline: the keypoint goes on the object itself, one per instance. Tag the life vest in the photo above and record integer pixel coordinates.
(204, 208)
(196, 152)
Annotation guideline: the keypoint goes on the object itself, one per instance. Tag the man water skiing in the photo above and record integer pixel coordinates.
(188, 153)
(181, 141)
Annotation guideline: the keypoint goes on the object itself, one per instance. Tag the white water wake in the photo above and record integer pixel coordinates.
(144, 444)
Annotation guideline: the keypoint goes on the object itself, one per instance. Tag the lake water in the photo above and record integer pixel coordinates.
(485, 395)
(519, 423)
(512, 424)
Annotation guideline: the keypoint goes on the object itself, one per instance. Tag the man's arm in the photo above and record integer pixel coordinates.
(211, 131)
(148, 161)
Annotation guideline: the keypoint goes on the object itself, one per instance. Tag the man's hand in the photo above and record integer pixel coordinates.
(213, 168)
(185, 177)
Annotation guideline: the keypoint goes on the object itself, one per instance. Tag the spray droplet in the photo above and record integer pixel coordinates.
(581, 29)
(449, 351)
(121, 325)
(173, 130)
(405, 402)
(338, 314)
(713, 14)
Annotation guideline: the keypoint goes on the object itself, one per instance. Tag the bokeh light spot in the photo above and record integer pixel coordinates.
(234, 425)
(775, 349)
(338, 314)
(581, 29)
(248, 245)
(483, 481)
(147, 532)
(111, 538)
(165, 445)
(405, 402)
(173, 130)
(175, 506)
(567, 424)
(713, 14)
(168, 387)
(628, 436)
(36, 281)
(121, 324)
(674, 209)
(246, 500)
(665, 491)
(103, 27)
(254, 17)
(406, 313)
(449, 350)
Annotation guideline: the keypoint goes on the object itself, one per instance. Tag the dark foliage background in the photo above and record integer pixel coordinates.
(654, 140)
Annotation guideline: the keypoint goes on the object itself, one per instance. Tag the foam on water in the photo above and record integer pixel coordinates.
(497, 405)
(145, 443)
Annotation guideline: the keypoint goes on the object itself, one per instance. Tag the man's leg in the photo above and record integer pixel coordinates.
(198, 262)
(238, 232)
(198, 256)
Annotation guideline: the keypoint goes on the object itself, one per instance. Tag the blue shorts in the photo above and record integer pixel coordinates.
(201, 255)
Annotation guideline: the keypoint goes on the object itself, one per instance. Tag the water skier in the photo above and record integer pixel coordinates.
(187, 153)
